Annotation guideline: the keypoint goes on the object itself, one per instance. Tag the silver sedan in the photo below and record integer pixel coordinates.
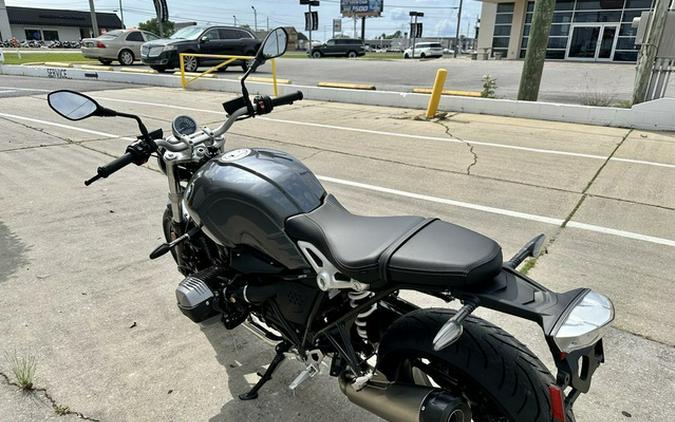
(123, 45)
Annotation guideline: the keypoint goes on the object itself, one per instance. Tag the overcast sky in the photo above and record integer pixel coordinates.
(439, 20)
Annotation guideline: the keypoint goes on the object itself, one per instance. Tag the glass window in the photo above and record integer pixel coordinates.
(523, 53)
(638, 4)
(243, 34)
(111, 34)
(135, 36)
(597, 16)
(505, 7)
(555, 54)
(330, 42)
(504, 18)
(625, 56)
(502, 51)
(502, 42)
(564, 5)
(502, 30)
(523, 43)
(526, 30)
(33, 34)
(530, 6)
(528, 18)
(563, 17)
(187, 33)
(557, 42)
(599, 4)
(628, 15)
(626, 43)
(559, 30)
(51, 35)
(627, 30)
(226, 34)
(149, 36)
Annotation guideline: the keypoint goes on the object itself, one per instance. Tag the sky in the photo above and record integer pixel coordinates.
(440, 15)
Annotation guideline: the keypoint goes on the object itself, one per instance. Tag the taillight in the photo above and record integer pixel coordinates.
(557, 403)
(99, 44)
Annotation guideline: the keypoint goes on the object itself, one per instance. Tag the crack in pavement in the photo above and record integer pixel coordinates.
(38, 129)
(55, 405)
(467, 143)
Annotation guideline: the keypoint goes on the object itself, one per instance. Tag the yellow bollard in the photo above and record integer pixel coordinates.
(183, 81)
(274, 77)
(436, 93)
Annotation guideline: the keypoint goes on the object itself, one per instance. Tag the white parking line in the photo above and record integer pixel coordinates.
(461, 204)
(5, 91)
(393, 134)
(407, 136)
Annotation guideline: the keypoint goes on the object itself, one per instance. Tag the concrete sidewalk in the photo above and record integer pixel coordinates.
(79, 291)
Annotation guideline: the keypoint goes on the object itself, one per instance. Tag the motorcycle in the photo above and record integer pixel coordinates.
(261, 244)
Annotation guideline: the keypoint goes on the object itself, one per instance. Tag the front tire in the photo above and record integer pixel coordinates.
(190, 63)
(501, 379)
(352, 54)
(316, 54)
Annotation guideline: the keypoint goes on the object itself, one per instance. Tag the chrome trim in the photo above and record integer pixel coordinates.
(326, 271)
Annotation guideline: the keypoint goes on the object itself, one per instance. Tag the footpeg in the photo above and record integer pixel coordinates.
(453, 329)
(314, 359)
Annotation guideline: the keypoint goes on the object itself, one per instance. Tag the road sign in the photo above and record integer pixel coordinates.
(337, 25)
(309, 2)
(416, 30)
(311, 21)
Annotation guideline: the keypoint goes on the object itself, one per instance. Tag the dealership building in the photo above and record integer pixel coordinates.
(27, 23)
(588, 30)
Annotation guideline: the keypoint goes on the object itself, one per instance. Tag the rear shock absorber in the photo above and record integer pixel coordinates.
(355, 300)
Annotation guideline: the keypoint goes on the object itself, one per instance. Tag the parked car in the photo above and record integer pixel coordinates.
(339, 47)
(123, 45)
(163, 54)
(424, 50)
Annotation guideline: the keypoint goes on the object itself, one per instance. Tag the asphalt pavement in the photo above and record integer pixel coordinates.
(80, 293)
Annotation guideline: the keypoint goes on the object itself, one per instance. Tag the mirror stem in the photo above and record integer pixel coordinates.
(141, 126)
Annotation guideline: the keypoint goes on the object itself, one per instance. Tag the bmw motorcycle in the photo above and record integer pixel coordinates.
(262, 244)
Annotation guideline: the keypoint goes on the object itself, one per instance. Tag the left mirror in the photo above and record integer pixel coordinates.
(72, 105)
(275, 44)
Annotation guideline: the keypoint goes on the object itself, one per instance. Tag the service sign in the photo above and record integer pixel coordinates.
(361, 7)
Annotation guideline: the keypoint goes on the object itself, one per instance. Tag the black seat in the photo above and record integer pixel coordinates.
(409, 250)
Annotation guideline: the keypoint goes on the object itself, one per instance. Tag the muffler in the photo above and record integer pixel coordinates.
(407, 402)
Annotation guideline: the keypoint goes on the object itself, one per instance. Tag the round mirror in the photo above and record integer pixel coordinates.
(275, 43)
(72, 105)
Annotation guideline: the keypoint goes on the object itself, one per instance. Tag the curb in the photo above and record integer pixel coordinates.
(134, 70)
(475, 94)
(344, 85)
(58, 64)
(96, 67)
(267, 80)
(195, 74)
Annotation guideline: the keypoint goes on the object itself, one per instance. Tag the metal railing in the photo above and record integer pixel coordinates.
(663, 68)
(228, 59)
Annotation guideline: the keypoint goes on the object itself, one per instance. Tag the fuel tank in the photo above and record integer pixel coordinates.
(244, 196)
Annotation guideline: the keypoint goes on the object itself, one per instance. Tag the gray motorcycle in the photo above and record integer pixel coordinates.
(263, 245)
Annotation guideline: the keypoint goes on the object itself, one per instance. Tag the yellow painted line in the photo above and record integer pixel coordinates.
(267, 80)
(136, 70)
(95, 67)
(448, 92)
(346, 85)
(58, 64)
(194, 74)
(33, 64)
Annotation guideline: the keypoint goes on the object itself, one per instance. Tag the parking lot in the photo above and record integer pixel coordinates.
(80, 293)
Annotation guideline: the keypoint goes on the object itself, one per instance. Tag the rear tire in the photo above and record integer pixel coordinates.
(500, 377)
(126, 58)
(352, 54)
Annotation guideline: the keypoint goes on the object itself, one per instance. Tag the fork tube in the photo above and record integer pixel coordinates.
(175, 192)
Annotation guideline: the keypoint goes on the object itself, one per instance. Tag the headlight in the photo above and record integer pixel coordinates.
(169, 48)
(585, 324)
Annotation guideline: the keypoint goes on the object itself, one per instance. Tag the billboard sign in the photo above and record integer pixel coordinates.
(359, 8)
(311, 21)
(162, 10)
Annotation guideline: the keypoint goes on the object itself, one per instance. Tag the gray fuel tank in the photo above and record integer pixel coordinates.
(244, 196)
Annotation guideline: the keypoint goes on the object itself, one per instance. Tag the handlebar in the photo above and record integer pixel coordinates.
(287, 99)
(137, 153)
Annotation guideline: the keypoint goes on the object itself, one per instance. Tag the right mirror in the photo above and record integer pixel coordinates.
(72, 105)
(275, 44)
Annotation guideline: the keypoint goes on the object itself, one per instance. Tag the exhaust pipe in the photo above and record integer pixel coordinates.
(407, 402)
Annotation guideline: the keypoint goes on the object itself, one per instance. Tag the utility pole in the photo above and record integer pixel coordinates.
(309, 8)
(255, 18)
(413, 28)
(363, 29)
(268, 24)
(650, 47)
(94, 22)
(122, 15)
(235, 19)
(533, 67)
(459, 22)
(354, 26)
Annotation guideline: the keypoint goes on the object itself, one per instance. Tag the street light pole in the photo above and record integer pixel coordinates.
(255, 18)
(122, 14)
(235, 19)
(459, 21)
(94, 22)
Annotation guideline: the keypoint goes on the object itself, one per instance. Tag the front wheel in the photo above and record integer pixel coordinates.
(499, 377)
(352, 54)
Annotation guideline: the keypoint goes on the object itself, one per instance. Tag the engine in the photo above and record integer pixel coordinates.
(195, 298)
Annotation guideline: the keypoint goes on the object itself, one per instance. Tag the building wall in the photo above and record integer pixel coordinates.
(519, 10)
(66, 33)
(5, 30)
(487, 26)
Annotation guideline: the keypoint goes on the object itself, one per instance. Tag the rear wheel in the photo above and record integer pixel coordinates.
(500, 378)
(105, 62)
(351, 54)
(126, 58)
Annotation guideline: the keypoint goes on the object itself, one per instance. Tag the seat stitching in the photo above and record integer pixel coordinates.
(385, 256)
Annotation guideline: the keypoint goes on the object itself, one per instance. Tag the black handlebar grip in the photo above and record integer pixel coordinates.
(116, 164)
(287, 99)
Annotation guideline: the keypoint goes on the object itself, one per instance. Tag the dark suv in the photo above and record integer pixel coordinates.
(162, 54)
(339, 47)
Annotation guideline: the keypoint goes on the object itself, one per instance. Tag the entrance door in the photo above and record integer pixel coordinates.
(592, 42)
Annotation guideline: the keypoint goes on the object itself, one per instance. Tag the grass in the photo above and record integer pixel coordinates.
(23, 368)
(61, 410)
(527, 267)
(13, 58)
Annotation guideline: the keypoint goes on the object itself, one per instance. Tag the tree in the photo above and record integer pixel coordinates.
(151, 26)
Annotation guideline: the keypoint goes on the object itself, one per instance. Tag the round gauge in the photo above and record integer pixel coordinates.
(183, 125)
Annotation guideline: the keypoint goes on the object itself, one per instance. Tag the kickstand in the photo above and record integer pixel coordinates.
(252, 394)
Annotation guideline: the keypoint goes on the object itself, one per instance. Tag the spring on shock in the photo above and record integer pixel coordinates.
(355, 299)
